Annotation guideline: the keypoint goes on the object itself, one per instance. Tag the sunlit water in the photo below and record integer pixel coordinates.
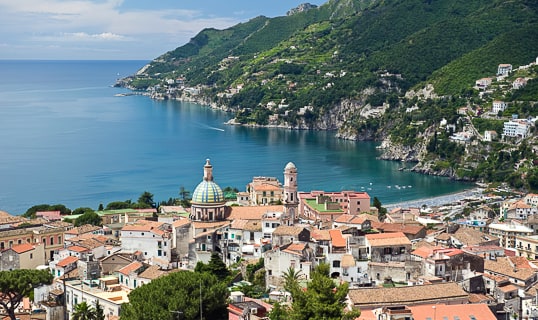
(66, 138)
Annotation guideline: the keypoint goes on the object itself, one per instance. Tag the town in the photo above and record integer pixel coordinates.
(474, 256)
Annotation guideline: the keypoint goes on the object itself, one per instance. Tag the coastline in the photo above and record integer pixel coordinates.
(438, 200)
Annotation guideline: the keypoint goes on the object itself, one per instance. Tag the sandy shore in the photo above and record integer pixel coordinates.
(437, 201)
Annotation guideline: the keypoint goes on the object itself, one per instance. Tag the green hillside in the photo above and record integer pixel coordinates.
(355, 66)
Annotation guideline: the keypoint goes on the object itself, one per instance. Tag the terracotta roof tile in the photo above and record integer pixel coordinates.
(252, 212)
(337, 239)
(131, 267)
(503, 266)
(384, 239)
(454, 311)
(77, 249)
(67, 261)
(287, 230)
(21, 248)
(406, 295)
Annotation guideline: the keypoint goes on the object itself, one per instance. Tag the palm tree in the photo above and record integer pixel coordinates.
(291, 278)
(84, 312)
(99, 312)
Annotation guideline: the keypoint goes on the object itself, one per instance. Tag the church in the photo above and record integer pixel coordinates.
(232, 231)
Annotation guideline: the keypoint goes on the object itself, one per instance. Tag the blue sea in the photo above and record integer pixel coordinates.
(66, 138)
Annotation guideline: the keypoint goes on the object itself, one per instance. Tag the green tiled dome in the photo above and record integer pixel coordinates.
(208, 192)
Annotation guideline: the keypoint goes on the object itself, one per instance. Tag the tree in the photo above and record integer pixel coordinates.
(115, 205)
(90, 217)
(31, 213)
(83, 311)
(322, 298)
(17, 284)
(101, 208)
(181, 291)
(291, 278)
(146, 199)
(99, 312)
(215, 266)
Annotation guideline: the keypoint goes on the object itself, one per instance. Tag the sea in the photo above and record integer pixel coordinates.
(67, 136)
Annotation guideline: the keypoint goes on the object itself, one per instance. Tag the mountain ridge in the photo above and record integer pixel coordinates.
(348, 65)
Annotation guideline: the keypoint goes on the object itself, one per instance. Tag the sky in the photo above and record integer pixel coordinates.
(118, 29)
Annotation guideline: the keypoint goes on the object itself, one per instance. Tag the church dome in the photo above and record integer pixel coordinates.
(208, 191)
(289, 166)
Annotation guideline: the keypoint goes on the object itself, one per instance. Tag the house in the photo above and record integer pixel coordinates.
(519, 83)
(429, 312)
(327, 206)
(360, 222)
(516, 128)
(483, 83)
(288, 234)
(490, 135)
(498, 106)
(22, 256)
(277, 261)
(402, 215)
(265, 191)
(507, 233)
(128, 275)
(531, 199)
(465, 236)
(452, 264)
(107, 292)
(490, 252)
(244, 308)
(150, 237)
(243, 238)
(412, 232)
(384, 247)
(520, 210)
(504, 69)
(81, 230)
(51, 238)
(517, 271)
(527, 247)
(49, 215)
(64, 266)
(114, 262)
(372, 298)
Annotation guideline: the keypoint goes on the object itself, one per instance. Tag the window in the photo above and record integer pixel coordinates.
(59, 239)
(19, 241)
(44, 241)
(31, 255)
(159, 253)
(2, 245)
(267, 224)
(336, 264)
(51, 241)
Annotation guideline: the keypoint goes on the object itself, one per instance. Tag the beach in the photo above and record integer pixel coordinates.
(439, 200)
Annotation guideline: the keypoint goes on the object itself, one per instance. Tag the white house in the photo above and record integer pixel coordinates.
(498, 106)
(516, 128)
(504, 69)
(490, 135)
(77, 291)
(151, 238)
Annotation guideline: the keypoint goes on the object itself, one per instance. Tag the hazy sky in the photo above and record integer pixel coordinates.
(118, 29)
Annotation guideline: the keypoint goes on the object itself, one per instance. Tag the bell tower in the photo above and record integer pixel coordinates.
(291, 202)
